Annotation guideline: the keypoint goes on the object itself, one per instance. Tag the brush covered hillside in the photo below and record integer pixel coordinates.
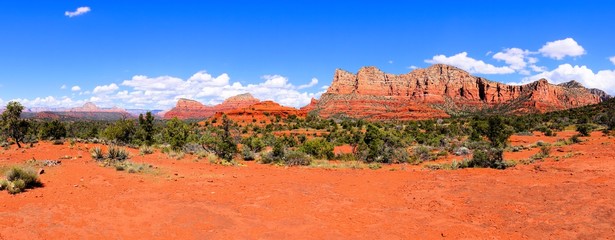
(441, 91)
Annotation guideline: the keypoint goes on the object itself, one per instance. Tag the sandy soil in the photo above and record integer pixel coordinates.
(571, 198)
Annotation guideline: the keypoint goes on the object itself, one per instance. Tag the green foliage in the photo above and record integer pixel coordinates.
(247, 154)
(52, 130)
(488, 158)
(176, 133)
(253, 143)
(318, 148)
(222, 143)
(19, 179)
(145, 132)
(121, 131)
(296, 158)
(584, 129)
(497, 132)
(12, 125)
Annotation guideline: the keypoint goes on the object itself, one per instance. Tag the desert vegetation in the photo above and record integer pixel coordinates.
(480, 139)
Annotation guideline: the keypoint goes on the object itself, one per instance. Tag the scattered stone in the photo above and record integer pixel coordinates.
(41, 171)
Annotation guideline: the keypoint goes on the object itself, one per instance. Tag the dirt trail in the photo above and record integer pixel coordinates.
(573, 198)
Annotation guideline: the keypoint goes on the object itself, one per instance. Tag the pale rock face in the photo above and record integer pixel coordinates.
(436, 90)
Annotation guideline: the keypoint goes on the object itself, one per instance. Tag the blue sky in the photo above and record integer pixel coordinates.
(147, 54)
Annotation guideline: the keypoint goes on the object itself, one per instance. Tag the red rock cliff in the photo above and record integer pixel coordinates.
(436, 91)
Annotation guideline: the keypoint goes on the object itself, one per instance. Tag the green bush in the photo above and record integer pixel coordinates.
(489, 158)
(318, 147)
(296, 158)
(584, 129)
(19, 179)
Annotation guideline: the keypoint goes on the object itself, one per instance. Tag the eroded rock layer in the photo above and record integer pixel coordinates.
(438, 91)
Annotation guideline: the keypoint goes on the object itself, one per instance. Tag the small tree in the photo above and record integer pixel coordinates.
(223, 143)
(145, 133)
(15, 127)
(176, 133)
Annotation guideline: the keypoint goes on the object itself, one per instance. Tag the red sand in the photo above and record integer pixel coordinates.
(573, 198)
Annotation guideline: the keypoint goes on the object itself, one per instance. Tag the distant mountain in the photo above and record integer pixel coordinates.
(89, 111)
(440, 91)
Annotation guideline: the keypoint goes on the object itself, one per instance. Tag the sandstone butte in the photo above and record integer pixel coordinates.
(262, 112)
(437, 92)
(190, 109)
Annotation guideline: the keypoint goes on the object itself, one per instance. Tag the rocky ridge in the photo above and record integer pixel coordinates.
(439, 91)
(191, 109)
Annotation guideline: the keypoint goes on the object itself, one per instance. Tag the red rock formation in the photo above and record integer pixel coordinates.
(259, 113)
(311, 106)
(190, 109)
(436, 91)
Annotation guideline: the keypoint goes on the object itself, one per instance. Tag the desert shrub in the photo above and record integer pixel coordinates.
(145, 150)
(584, 129)
(19, 179)
(3, 184)
(489, 158)
(247, 154)
(117, 154)
(297, 158)
(29, 176)
(318, 148)
(462, 151)
(16, 186)
(575, 139)
(374, 166)
(422, 153)
(132, 167)
(97, 153)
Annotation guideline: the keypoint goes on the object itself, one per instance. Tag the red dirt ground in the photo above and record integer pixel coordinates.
(573, 198)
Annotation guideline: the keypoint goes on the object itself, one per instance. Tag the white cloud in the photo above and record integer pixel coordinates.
(105, 89)
(63, 86)
(461, 60)
(49, 101)
(604, 79)
(562, 48)
(413, 67)
(75, 88)
(514, 57)
(390, 61)
(312, 83)
(164, 91)
(79, 11)
(612, 59)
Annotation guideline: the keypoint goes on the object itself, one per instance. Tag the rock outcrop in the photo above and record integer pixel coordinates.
(574, 84)
(260, 113)
(438, 91)
(191, 109)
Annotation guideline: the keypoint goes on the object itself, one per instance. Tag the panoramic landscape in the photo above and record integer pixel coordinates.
(305, 120)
